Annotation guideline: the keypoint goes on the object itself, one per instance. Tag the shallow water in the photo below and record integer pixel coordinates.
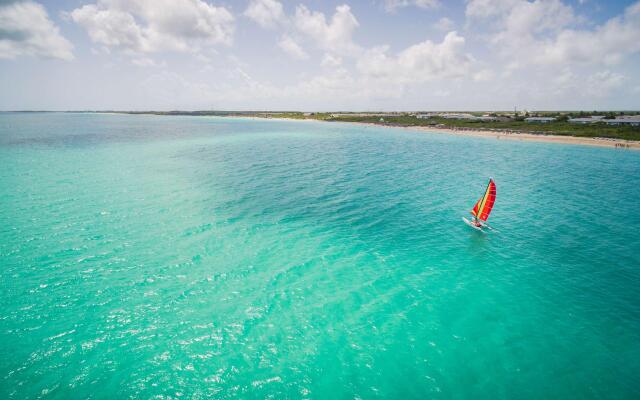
(148, 256)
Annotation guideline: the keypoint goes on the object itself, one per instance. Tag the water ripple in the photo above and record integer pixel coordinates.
(177, 257)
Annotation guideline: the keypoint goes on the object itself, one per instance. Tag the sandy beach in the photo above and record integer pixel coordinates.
(500, 135)
(606, 142)
(503, 135)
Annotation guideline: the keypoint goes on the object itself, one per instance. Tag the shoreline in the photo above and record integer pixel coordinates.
(480, 133)
(497, 135)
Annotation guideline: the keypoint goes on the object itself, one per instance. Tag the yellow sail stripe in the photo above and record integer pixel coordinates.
(484, 201)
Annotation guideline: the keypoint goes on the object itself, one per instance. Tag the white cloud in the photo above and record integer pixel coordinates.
(544, 32)
(538, 17)
(267, 13)
(601, 84)
(421, 62)
(483, 75)
(155, 25)
(393, 5)
(331, 61)
(112, 28)
(334, 36)
(378, 76)
(537, 54)
(487, 8)
(516, 22)
(444, 24)
(26, 30)
(607, 44)
(289, 46)
(146, 62)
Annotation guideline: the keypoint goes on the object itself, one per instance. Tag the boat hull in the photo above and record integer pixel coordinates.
(471, 224)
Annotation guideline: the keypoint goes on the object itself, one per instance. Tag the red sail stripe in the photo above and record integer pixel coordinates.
(490, 199)
(483, 207)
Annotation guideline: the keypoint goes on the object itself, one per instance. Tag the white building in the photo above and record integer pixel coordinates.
(458, 116)
(587, 120)
(540, 120)
(631, 120)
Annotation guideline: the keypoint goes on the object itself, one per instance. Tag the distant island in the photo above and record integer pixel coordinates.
(600, 128)
(623, 125)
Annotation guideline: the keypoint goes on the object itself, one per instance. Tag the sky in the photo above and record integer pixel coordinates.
(314, 55)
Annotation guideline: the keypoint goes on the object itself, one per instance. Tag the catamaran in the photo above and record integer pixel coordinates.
(483, 208)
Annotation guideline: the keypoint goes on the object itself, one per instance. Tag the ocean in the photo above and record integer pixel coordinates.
(159, 257)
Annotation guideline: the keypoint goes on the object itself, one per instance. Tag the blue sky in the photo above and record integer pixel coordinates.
(319, 55)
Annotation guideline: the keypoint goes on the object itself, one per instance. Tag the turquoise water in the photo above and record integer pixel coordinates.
(184, 257)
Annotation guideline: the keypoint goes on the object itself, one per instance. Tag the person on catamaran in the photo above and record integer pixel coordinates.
(483, 207)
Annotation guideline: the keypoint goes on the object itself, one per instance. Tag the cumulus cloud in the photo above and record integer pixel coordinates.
(378, 73)
(487, 8)
(599, 84)
(566, 60)
(26, 30)
(392, 5)
(546, 32)
(541, 16)
(146, 62)
(483, 75)
(608, 43)
(419, 63)
(266, 13)
(334, 36)
(514, 23)
(331, 61)
(144, 26)
(444, 24)
(292, 48)
(602, 83)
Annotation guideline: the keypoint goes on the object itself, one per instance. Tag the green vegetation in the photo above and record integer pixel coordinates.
(560, 127)
(508, 122)
(299, 115)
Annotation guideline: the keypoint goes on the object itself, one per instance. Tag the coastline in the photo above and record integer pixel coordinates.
(480, 133)
(498, 135)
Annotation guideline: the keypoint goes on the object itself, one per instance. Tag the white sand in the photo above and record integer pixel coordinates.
(606, 142)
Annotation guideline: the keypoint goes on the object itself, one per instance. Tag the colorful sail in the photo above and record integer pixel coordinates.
(483, 207)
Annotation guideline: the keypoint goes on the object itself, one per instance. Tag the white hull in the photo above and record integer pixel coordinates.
(471, 224)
